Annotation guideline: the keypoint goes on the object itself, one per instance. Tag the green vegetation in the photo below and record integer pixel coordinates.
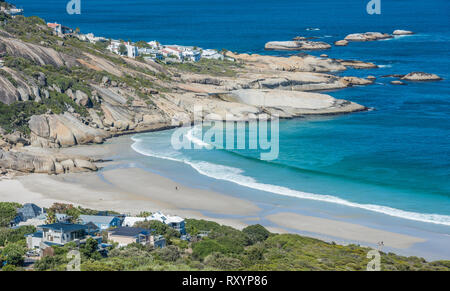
(8, 211)
(56, 80)
(13, 254)
(223, 248)
(10, 235)
(73, 212)
(224, 68)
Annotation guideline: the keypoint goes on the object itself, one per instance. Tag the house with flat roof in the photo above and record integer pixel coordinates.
(58, 234)
(128, 235)
(102, 222)
(174, 222)
(131, 220)
(62, 233)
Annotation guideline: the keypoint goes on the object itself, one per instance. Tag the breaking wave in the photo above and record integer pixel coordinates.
(236, 175)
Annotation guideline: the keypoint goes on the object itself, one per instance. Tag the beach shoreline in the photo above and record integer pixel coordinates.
(124, 186)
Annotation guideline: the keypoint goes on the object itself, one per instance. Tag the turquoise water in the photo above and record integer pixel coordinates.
(392, 160)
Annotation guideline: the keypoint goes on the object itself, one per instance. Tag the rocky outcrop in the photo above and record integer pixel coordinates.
(357, 64)
(367, 36)
(8, 92)
(342, 42)
(44, 162)
(62, 130)
(357, 81)
(303, 63)
(397, 82)
(402, 32)
(421, 76)
(296, 45)
(292, 103)
(36, 53)
(14, 86)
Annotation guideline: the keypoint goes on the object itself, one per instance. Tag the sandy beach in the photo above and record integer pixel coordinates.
(128, 189)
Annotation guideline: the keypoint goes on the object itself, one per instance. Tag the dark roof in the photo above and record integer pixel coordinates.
(129, 231)
(65, 227)
(38, 234)
(29, 210)
(97, 219)
(91, 225)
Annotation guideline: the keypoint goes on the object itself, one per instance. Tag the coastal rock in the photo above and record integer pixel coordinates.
(342, 42)
(402, 32)
(303, 63)
(296, 45)
(82, 99)
(16, 138)
(42, 162)
(295, 81)
(421, 76)
(38, 54)
(371, 77)
(397, 82)
(62, 130)
(84, 164)
(324, 56)
(8, 92)
(293, 103)
(357, 81)
(367, 36)
(121, 124)
(68, 165)
(37, 94)
(357, 64)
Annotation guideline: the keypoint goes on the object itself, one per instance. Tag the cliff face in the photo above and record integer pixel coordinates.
(77, 93)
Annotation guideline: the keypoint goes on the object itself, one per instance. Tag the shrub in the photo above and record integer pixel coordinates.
(222, 262)
(256, 233)
(13, 254)
(169, 254)
(8, 212)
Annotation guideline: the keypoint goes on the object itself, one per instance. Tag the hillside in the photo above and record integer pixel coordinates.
(59, 91)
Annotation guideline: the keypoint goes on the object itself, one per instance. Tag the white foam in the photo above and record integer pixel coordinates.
(190, 135)
(236, 176)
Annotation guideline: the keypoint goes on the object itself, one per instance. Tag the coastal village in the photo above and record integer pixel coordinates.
(102, 94)
(152, 50)
(106, 229)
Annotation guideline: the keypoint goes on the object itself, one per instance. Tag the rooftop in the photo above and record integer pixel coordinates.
(129, 231)
(65, 227)
(96, 219)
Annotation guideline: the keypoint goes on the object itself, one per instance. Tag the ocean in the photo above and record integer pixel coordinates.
(392, 160)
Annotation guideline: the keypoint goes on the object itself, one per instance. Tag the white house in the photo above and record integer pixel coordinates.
(132, 51)
(154, 44)
(175, 222)
(92, 38)
(212, 54)
(191, 55)
(172, 51)
(130, 220)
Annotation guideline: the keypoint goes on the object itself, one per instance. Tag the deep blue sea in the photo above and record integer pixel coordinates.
(393, 160)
